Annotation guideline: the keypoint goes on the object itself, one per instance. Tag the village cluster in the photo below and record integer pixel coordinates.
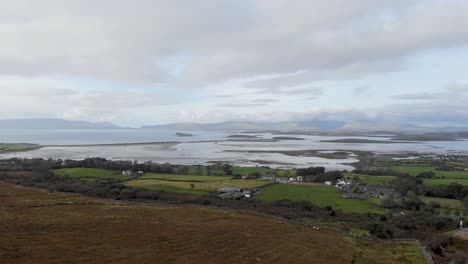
(349, 188)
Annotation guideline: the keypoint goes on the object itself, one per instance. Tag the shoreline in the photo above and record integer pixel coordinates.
(131, 144)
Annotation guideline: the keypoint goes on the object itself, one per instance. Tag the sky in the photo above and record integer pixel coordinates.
(147, 62)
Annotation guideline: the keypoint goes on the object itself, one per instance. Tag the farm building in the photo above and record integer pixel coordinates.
(230, 190)
(269, 177)
(282, 179)
(232, 195)
(127, 173)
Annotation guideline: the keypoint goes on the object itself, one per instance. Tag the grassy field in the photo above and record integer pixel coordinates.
(183, 183)
(261, 170)
(444, 202)
(42, 227)
(191, 178)
(371, 179)
(401, 252)
(319, 195)
(414, 170)
(89, 174)
(6, 147)
(203, 170)
(445, 181)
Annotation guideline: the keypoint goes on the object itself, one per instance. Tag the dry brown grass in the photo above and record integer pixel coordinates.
(40, 227)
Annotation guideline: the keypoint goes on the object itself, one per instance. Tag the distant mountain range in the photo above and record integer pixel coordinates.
(253, 126)
(235, 126)
(49, 123)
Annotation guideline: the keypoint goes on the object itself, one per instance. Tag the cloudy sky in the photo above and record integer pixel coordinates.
(153, 62)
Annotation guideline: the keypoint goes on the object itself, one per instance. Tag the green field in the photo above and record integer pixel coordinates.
(6, 147)
(463, 182)
(204, 170)
(183, 183)
(319, 195)
(189, 178)
(414, 170)
(262, 170)
(371, 179)
(401, 252)
(444, 202)
(92, 175)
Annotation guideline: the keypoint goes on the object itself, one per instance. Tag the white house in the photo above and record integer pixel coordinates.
(127, 173)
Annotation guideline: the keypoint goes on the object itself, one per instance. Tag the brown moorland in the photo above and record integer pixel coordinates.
(41, 227)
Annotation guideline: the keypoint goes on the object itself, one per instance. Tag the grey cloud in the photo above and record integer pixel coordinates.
(242, 105)
(348, 72)
(309, 92)
(361, 90)
(451, 91)
(35, 91)
(265, 100)
(220, 40)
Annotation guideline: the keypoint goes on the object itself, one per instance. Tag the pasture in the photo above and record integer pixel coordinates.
(444, 202)
(262, 170)
(445, 181)
(415, 170)
(7, 147)
(188, 178)
(191, 183)
(319, 195)
(90, 174)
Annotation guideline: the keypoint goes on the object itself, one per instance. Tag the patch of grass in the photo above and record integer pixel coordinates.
(174, 177)
(262, 170)
(371, 179)
(92, 175)
(386, 252)
(168, 186)
(319, 195)
(336, 224)
(199, 187)
(415, 170)
(7, 147)
(446, 181)
(444, 202)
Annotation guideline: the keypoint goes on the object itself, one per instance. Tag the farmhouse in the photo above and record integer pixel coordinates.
(127, 173)
(269, 177)
(232, 195)
(229, 190)
(282, 179)
(131, 173)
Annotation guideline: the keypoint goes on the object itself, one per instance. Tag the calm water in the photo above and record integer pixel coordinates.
(189, 152)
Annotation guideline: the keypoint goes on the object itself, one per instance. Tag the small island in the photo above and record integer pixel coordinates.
(428, 137)
(288, 138)
(242, 136)
(361, 140)
(184, 135)
(17, 147)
